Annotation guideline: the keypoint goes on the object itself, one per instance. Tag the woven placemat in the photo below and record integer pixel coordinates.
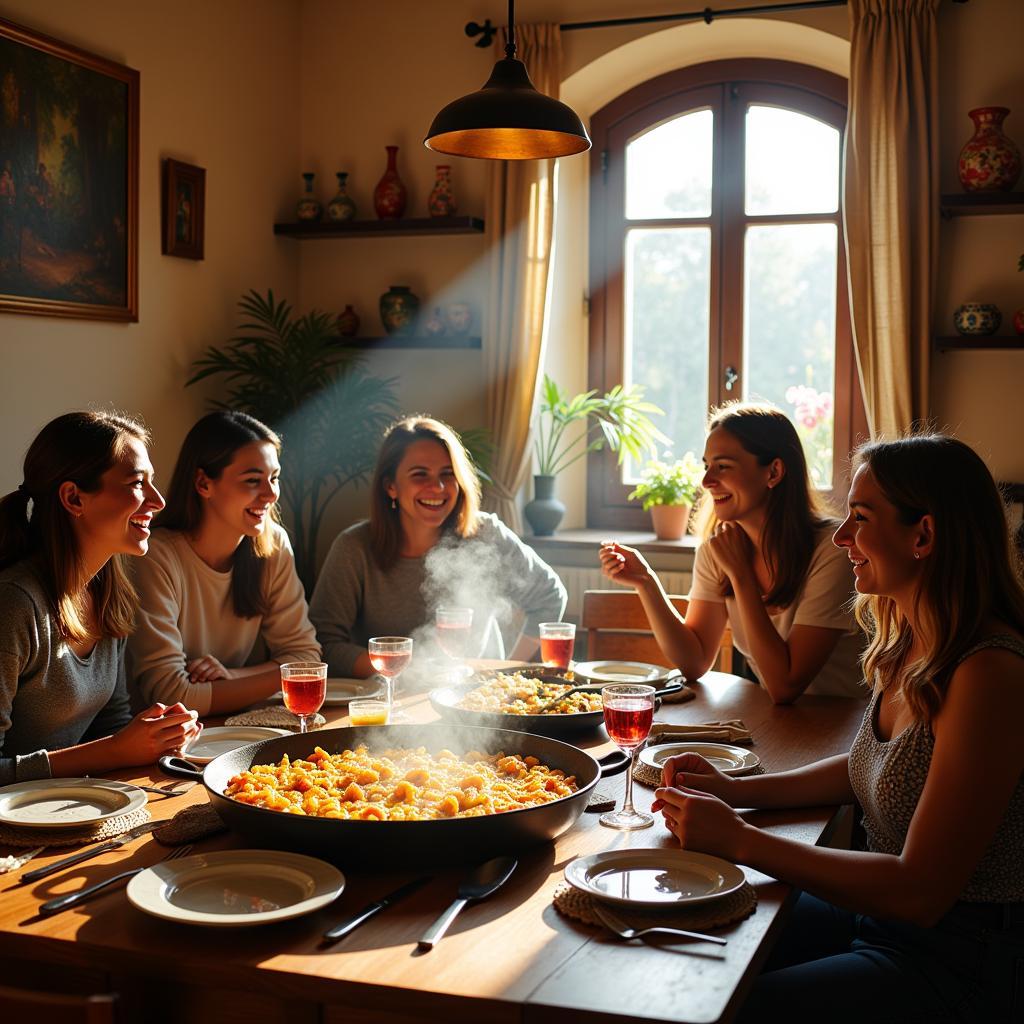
(110, 828)
(736, 906)
(196, 821)
(275, 718)
(649, 776)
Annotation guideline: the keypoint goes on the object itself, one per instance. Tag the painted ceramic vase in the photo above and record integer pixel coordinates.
(341, 207)
(389, 197)
(434, 324)
(308, 206)
(977, 318)
(1018, 321)
(399, 308)
(460, 317)
(441, 202)
(348, 322)
(989, 162)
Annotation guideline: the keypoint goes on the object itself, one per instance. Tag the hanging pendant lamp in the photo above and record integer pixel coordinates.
(508, 119)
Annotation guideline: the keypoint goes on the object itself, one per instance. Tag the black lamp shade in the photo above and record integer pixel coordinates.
(507, 120)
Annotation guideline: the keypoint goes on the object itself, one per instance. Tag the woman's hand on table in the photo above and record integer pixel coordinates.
(691, 771)
(158, 730)
(701, 822)
(206, 669)
(624, 564)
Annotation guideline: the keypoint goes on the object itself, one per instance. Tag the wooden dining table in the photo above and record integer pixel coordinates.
(512, 958)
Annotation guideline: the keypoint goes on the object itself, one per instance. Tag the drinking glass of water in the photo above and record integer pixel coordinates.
(454, 626)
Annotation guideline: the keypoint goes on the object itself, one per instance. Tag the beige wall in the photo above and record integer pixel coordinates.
(219, 88)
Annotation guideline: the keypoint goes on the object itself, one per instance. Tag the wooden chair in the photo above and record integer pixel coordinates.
(22, 1004)
(617, 627)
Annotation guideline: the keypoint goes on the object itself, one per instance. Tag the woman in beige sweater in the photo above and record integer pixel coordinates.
(220, 576)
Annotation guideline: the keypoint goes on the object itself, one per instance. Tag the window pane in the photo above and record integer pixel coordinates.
(792, 163)
(668, 169)
(790, 330)
(667, 294)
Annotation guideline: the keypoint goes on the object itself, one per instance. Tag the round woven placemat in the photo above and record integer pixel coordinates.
(110, 828)
(649, 776)
(579, 905)
(275, 718)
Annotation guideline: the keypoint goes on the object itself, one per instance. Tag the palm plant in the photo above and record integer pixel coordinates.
(298, 377)
(620, 418)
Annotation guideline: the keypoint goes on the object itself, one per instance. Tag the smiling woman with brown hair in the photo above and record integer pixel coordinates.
(766, 566)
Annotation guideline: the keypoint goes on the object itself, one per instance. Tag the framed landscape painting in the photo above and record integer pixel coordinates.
(69, 171)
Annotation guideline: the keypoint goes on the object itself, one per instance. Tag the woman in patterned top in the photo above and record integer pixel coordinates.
(927, 924)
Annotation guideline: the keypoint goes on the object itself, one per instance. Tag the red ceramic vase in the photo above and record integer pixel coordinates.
(389, 197)
(989, 162)
(1018, 321)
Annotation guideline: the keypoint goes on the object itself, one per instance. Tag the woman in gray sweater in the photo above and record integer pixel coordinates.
(428, 544)
(66, 604)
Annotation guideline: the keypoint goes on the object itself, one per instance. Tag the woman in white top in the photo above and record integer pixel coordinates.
(220, 576)
(766, 567)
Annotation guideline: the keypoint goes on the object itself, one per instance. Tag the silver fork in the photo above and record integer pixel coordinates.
(55, 906)
(615, 923)
(176, 788)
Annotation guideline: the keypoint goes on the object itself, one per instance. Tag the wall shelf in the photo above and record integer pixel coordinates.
(979, 343)
(382, 228)
(409, 341)
(976, 204)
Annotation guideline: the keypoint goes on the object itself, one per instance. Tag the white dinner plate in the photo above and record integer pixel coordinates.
(341, 691)
(621, 671)
(220, 739)
(654, 878)
(727, 759)
(236, 888)
(67, 803)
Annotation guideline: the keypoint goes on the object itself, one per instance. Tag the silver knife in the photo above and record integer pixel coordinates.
(76, 858)
(339, 931)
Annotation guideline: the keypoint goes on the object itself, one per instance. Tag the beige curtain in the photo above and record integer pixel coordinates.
(520, 213)
(891, 204)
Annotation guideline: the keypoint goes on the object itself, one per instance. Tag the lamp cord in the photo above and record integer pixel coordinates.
(510, 46)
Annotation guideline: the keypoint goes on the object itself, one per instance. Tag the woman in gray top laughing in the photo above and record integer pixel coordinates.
(66, 604)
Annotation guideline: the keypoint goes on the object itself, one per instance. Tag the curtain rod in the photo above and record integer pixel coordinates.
(487, 31)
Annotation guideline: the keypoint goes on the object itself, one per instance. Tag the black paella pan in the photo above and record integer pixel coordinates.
(381, 842)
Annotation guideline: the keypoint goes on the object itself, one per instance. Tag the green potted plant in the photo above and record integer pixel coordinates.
(620, 418)
(668, 491)
(298, 376)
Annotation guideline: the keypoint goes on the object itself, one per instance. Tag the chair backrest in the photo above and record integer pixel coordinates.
(617, 627)
(23, 1004)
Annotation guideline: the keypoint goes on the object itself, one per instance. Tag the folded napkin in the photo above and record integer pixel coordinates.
(275, 718)
(190, 823)
(732, 731)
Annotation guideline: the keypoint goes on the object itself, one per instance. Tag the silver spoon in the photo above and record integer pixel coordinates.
(478, 885)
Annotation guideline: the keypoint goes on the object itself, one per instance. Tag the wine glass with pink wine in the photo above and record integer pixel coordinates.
(390, 655)
(628, 715)
(454, 632)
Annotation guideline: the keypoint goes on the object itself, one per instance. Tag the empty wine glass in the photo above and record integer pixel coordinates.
(628, 714)
(454, 627)
(389, 655)
(304, 686)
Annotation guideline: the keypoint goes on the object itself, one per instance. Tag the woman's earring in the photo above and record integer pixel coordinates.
(917, 554)
(394, 503)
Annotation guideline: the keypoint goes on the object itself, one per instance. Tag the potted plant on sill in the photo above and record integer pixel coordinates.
(619, 418)
(668, 491)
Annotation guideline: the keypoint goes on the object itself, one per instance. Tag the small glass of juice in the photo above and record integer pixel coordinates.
(369, 712)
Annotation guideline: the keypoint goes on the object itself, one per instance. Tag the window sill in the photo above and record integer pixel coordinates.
(579, 548)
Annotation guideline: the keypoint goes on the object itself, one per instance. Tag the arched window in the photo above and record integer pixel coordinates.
(717, 262)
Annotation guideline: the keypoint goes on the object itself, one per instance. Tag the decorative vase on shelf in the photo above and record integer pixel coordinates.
(545, 512)
(348, 322)
(1018, 321)
(670, 521)
(434, 324)
(308, 207)
(460, 317)
(341, 207)
(977, 318)
(399, 308)
(989, 162)
(389, 197)
(441, 202)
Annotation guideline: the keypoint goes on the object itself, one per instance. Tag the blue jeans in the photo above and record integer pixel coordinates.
(831, 965)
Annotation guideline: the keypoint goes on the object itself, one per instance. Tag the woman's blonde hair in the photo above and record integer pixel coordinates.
(970, 576)
(78, 447)
(796, 513)
(385, 521)
(210, 446)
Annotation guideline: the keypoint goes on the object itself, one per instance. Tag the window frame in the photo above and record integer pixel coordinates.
(728, 87)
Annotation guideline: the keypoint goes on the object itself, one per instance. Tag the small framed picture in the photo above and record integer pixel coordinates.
(184, 210)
